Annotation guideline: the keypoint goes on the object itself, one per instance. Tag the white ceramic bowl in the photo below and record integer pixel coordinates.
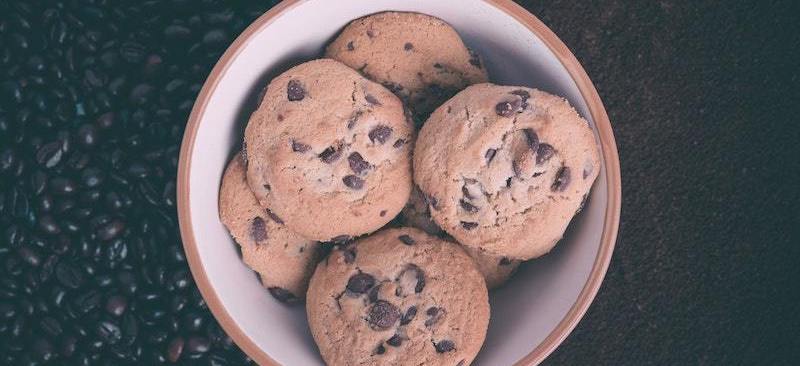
(531, 315)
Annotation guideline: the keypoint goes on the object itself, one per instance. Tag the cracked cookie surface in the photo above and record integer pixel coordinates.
(329, 151)
(419, 57)
(283, 259)
(504, 169)
(496, 270)
(398, 297)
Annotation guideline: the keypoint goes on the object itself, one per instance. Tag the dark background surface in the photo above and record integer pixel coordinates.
(702, 97)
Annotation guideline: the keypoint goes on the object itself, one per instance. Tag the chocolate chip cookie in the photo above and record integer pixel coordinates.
(398, 297)
(329, 151)
(419, 57)
(496, 270)
(504, 169)
(283, 259)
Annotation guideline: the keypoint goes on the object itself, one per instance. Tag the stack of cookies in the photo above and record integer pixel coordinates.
(429, 184)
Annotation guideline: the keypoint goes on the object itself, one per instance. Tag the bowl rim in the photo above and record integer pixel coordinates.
(569, 62)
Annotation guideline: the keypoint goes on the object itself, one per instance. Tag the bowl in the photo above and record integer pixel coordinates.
(531, 315)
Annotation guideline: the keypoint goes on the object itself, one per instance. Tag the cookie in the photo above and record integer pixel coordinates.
(283, 259)
(329, 151)
(504, 169)
(398, 297)
(496, 270)
(420, 58)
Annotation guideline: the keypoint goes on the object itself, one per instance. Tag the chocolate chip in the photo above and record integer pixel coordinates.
(258, 229)
(587, 170)
(469, 225)
(406, 239)
(395, 341)
(360, 283)
(300, 147)
(374, 293)
(399, 143)
(544, 153)
(490, 155)
(504, 261)
(382, 315)
(282, 295)
(411, 278)
(357, 163)
(353, 182)
(562, 180)
(409, 315)
(330, 154)
(507, 109)
(280, 118)
(371, 99)
(351, 122)
(474, 59)
(468, 206)
(274, 217)
(380, 350)
(350, 46)
(295, 91)
(408, 46)
(445, 346)
(370, 33)
(524, 95)
(349, 255)
(434, 315)
(438, 65)
(380, 133)
(533, 139)
(383, 213)
(508, 181)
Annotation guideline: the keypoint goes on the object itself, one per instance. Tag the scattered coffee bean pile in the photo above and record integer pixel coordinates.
(94, 96)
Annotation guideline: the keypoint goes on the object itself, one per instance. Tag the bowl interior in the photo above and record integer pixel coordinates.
(524, 312)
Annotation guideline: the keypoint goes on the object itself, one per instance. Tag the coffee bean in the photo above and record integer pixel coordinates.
(544, 153)
(283, 295)
(50, 154)
(360, 283)
(108, 332)
(353, 181)
(357, 163)
(382, 315)
(444, 346)
(562, 180)
(197, 345)
(62, 186)
(295, 90)
(407, 239)
(175, 349)
(116, 305)
(380, 133)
